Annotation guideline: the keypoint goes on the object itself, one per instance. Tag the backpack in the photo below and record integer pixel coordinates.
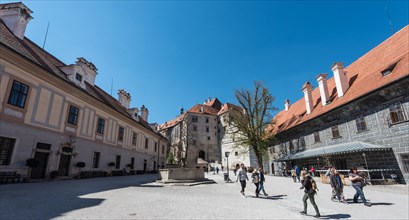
(255, 179)
(314, 185)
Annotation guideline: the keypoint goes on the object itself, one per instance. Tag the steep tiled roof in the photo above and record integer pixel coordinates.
(172, 122)
(229, 107)
(203, 109)
(215, 103)
(8, 39)
(364, 77)
(41, 57)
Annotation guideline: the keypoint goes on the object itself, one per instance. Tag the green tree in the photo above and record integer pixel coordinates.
(250, 124)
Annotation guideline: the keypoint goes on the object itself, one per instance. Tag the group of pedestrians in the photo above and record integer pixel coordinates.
(257, 177)
(337, 187)
(308, 184)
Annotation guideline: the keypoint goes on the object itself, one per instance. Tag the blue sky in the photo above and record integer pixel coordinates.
(172, 54)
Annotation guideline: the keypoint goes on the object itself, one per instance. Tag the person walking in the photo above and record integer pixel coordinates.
(309, 193)
(262, 180)
(337, 186)
(358, 184)
(294, 175)
(242, 176)
(222, 168)
(297, 172)
(312, 171)
(217, 170)
(255, 178)
(328, 174)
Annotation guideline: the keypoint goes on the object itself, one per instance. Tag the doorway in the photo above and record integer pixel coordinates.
(63, 167)
(272, 169)
(39, 171)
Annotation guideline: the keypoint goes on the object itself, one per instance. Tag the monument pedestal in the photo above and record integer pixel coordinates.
(191, 175)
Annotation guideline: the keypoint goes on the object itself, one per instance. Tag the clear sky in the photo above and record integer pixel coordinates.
(172, 54)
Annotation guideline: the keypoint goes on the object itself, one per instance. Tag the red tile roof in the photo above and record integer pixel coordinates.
(364, 77)
(215, 103)
(229, 107)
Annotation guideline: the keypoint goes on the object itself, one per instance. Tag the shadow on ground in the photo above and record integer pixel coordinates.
(335, 216)
(382, 203)
(61, 196)
(276, 197)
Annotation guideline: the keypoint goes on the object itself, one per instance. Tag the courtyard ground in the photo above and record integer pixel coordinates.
(136, 197)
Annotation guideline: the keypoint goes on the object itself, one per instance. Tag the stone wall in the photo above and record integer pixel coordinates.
(375, 109)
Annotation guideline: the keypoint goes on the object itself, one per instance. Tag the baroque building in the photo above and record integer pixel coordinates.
(204, 132)
(54, 112)
(358, 117)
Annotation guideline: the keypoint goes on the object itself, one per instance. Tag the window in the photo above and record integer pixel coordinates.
(301, 143)
(118, 161)
(18, 94)
(317, 137)
(396, 113)
(194, 128)
(146, 143)
(163, 149)
(195, 119)
(207, 120)
(78, 77)
(207, 129)
(208, 138)
(405, 162)
(73, 115)
(236, 153)
(361, 124)
(218, 130)
(389, 70)
(101, 126)
(43, 146)
(335, 132)
(134, 138)
(194, 142)
(6, 150)
(121, 134)
(156, 146)
(291, 145)
(95, 159)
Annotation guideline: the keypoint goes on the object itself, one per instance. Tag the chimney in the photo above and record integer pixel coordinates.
(16, 17)
(341, 80)
(182, 111)
(322, 84)
(307, 89)
(201, 108)
(287, 105)
(124, 98)
(144, 113)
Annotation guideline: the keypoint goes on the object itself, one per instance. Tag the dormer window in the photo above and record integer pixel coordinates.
(389, 70)
(78, 77)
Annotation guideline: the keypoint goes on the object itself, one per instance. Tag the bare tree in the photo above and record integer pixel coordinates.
(251, 122)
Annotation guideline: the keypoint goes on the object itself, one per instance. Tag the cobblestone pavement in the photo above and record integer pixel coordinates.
(136, 197)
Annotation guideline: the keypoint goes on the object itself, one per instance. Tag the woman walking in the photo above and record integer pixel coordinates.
(256, 180)
(357, 183)
(337, 186)
(242, 176)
